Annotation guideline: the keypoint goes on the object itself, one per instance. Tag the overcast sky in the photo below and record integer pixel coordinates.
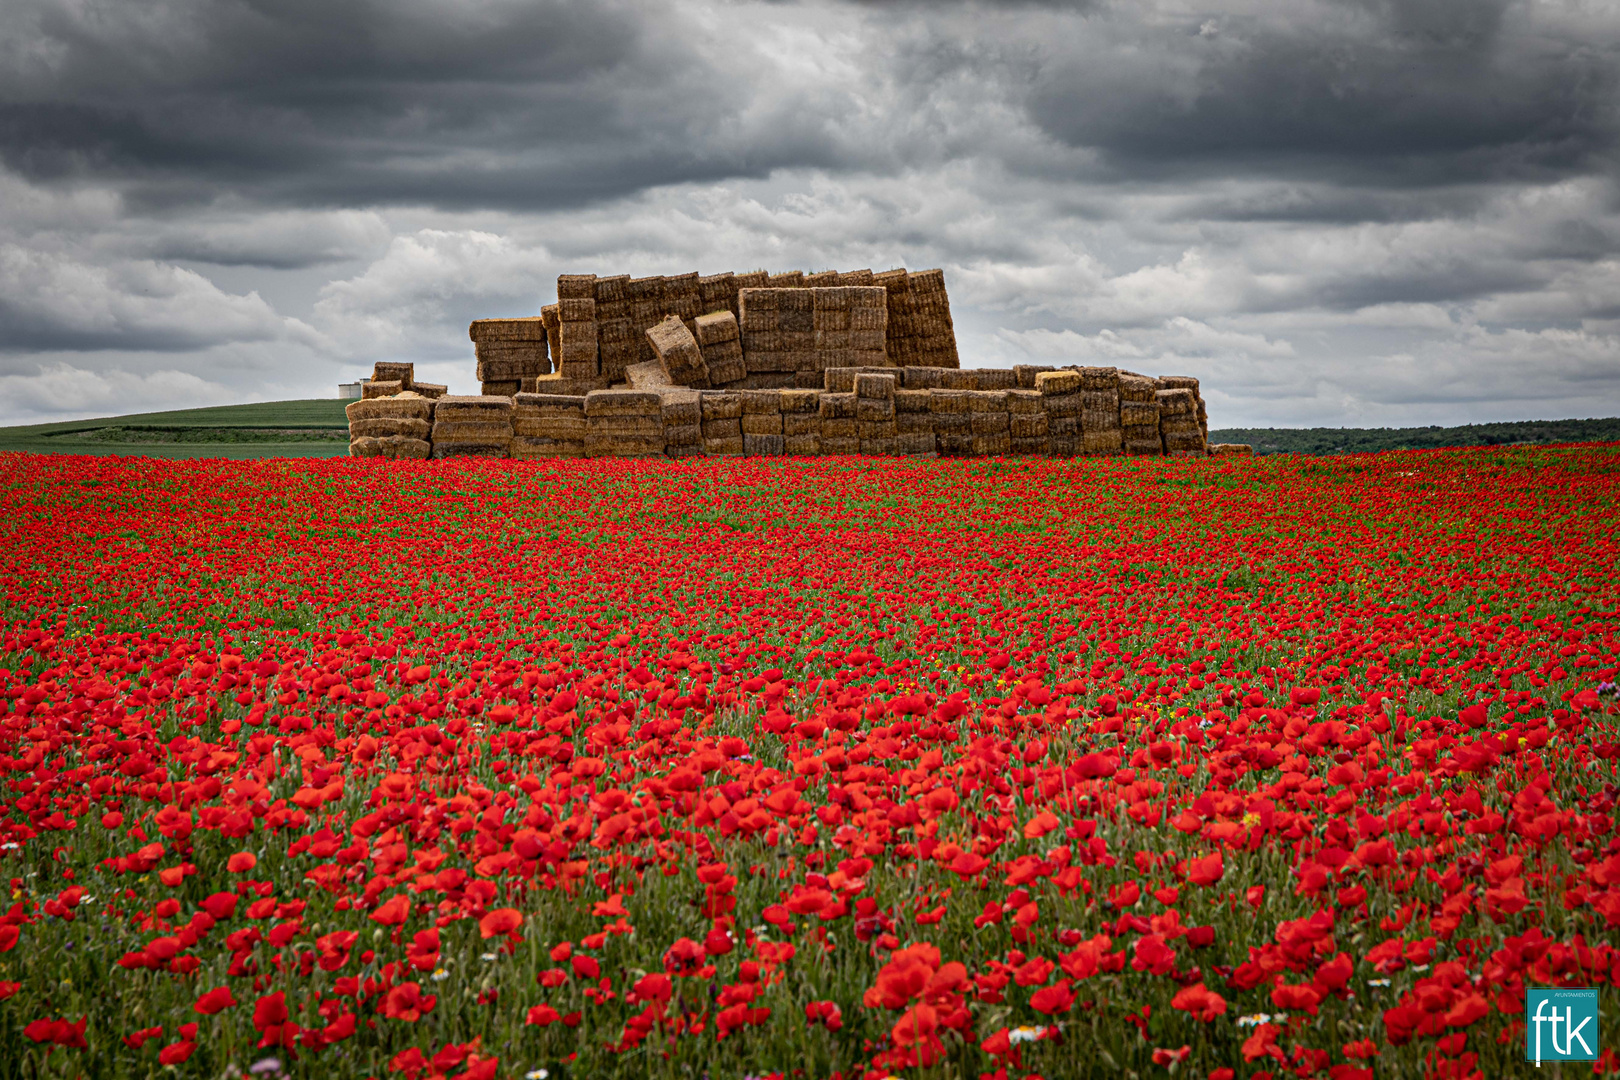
(1334, 212)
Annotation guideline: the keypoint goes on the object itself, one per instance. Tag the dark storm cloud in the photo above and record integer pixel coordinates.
(344, 102)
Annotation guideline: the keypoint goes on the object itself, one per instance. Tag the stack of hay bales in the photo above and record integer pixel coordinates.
(548, 426)
(913, 421)
(509, 352)
(624, 423)
(683, 423)
(472, 426)
(933, 333)
(1139, 415)
(397, 427)
(1099, 411)
(801, 422)
(678, 353)
(1178, 424)
(840, 431)
(989, 422)
(762, 423)
(721, 421)
(576, 327)
(952, 412)
(618, 340)
(1231, 450)
(1188, 382)
(874, 412)
(718, 293)
(1027, 425)
(1061, 400)
(720, 339)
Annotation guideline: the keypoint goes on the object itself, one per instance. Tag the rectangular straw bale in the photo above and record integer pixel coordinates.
(1067, 427)
(807, 444)
(911, 422)
(715, 405)
(874, 409)
(1142, 442)
(447, 450)
(385, 427)
(719, 292)
(987, 401)
(1231, 450)
(841, 380)
(992, 444)
(716, 327)
(1027, 425)
(954, 379)
(762, 423)
(1067, 405)
(393, 371)
(995, 379)
(855, 278)
(721, 429)
(678, 353)
(801, 424)
(725, 362)
(392, 408)
(1177, 403)
(790, 279)
(403, 448)
(1058, 382)
(680, 407)
(761, 361)
(362, 446)
(557, 383)
(766, 445)
(920, 378)
(1097, 443)
(549, 427)
(830, 298)
(550, 320)
(576, 287)
(878, 446)
(1100, 401)
(1137, 389)
(1025, 401)
(753, 279)
(802, 401)
(577, 311)
(1133, 414)
(821, 280)
(953, 444)
(682, 435)
(914, 444)
(950, 401)
(648, 375)
(430, 390)
(1099, 378)
(538, 448)
(623, 403)
(730, 446)
(912, 401)
(840, 445)
(683, 297)
(836, 405)
(1066, 446)
(500, 387)
(761, 402)
(381, 389)
(880, 386)
(990, 423)
(613, 290)
(623, 446)
(1025, 374)
(839, 427)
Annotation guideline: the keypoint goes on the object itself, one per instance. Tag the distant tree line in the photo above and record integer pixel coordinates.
(1369, 440)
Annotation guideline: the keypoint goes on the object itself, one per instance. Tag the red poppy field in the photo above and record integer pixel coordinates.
(1226, 768)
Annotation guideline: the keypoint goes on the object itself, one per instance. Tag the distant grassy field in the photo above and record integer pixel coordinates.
(1369, 440)
(316, 428)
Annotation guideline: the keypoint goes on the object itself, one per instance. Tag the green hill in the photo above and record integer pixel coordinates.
(316, 428)
(1370, 440)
